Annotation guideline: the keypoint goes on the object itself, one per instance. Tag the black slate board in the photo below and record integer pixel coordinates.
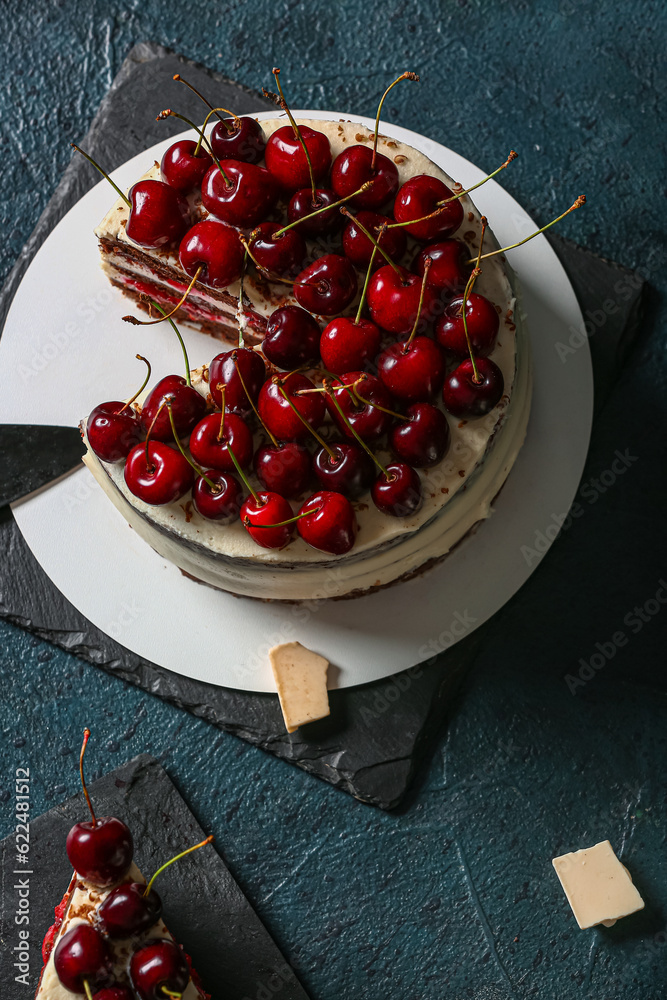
(377, 734)
(232, 950)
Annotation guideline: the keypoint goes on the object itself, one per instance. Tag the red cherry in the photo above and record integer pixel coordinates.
(292, 337)
(224, 370)
(423, 439)
(393, 299)
(127, 910)
(216, 249)
(450, 267)
(279, 416)
(367, 419)
(211, 449)
(352, 168)
(166, 478)
(267, 509)
(286, 159)
(398, 494)
(158, 215)
(283, 468)
(414, 370)
(332, 525)
(358, 247)
(242, 197)
(482, 322)
(82, 954)
(327, 285)
(238, 139)
(100, 852)
(346, 345)
(181, 169)
(464, 397)
(159, 966)
(284, 254)
(114, 993)
(302, 204)
(187, 406)
(223, 502)
(421, 195)
(113, 429)
(350, 471)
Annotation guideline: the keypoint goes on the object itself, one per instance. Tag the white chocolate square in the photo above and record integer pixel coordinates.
(598, 887)
(301, 680)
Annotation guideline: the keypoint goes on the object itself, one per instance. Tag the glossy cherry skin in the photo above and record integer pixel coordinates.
(399, 495)
(301, 205)
(412, 372)
(450, 267)
(482, 321)
(421, 195)
(346, 345)
(279, 416)
(210, 449)
(292, 337)
(367, 419)
(82, 953)
(166, 479)
(100, 854)
(332, 525)
(259, 518)
(158, 215)
(114, 993)
(181, 169)
(350, 471)
(393, 300)
(358, 247)
(423, 438)
(248, 197)
(241, 139)
(283, 469)
(224, 370)
(113, 429)
(214, 247)
(352, 168)
(327, 285)
(463, 397)
(223, 502)
(156, 965)
(127, 911)
(281, 255)
(286, 159)
(187, 406)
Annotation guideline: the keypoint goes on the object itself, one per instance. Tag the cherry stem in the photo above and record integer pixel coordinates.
(104, 174)
(168, 113)
(244, 478)
(320, 440)
(367, 402)
(363, 444)
(427, 266)
(581, 200)
(228, 128)
(178, 857)
(214, 487)
(171, 994)
(222, 389)
(372, 238)
(369, 271)
(86, 737)
(260, 267)
(179, 79)
(159, 308)
(477, 379)
(143, 384)
(89, 992)
(325, 208)
(403, 76)
(283, 524)
(455, 197)
(297, 130)
(149, 465)
(153, 322)
(250, 400)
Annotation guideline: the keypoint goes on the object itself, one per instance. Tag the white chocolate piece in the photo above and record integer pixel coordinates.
(301, 680)
(598, 887)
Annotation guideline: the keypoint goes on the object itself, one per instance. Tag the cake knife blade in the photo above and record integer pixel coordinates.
(32, 455)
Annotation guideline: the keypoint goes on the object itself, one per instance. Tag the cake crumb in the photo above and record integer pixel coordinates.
(187, 510)
(461, 473)
(444, 489)
(400, 159)
(361, 138)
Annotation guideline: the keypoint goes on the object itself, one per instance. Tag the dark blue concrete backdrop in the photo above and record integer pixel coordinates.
(454, 895)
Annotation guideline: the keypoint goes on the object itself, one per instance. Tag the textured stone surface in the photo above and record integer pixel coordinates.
(454, 894)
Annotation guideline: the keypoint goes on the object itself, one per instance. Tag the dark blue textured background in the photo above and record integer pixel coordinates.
(455, 894)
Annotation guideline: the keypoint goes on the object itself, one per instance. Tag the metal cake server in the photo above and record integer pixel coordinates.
(32, 455)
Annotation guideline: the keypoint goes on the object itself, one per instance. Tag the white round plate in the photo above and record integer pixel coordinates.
(64, 349)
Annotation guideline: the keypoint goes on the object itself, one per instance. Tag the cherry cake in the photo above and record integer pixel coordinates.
(360, 429)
